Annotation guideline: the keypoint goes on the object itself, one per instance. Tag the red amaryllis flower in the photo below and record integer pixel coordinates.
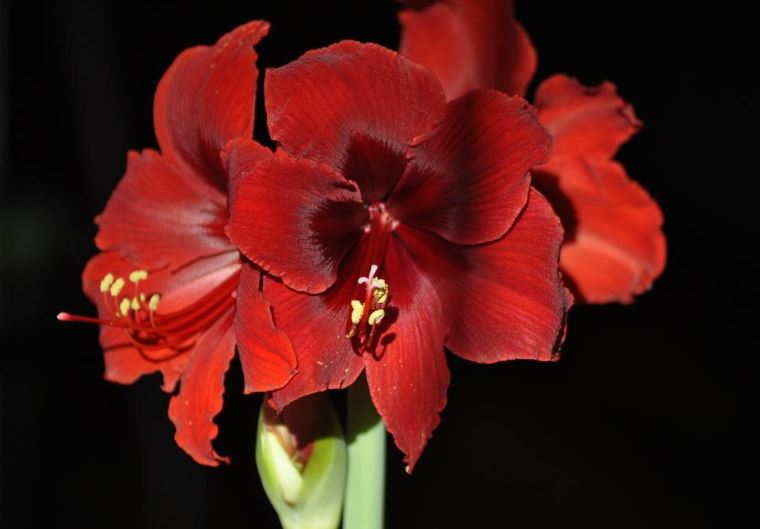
(172, 292)
(398, 224)
(614, 247)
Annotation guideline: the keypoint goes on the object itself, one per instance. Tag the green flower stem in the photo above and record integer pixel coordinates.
(364, 503)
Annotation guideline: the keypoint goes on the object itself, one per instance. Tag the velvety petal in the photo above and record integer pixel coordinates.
(266, 354)
(584, 121)
(407, 376)
(614, 246)
(468, 180)
(199, 399)
(206, 98)
(504, 299)
(323, 104)
(295, 219)
(124, 363)
(469, 44)
(160, 215)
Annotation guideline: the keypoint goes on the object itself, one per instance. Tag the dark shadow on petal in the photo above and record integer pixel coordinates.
(548, 184)
(374, 165)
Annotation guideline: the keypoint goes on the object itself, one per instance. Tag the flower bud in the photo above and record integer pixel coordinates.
(301, 457)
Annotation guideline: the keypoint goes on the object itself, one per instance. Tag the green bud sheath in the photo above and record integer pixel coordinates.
(301, 457)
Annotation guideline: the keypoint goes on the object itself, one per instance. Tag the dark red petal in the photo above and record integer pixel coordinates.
(347, 104)
(199, 399)
(505, 299)
(206, 98)
(296, 219)
(469, 45)
(614, 246)
(584, 121)
(468, 180)
(160, 215)
(408, 376)
(124, 363)
(266, 354)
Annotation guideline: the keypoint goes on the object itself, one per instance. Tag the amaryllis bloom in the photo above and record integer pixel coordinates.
(395, 224)
(614, 247)
(172, 292)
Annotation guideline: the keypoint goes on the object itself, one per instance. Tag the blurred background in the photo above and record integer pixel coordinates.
(648, 419)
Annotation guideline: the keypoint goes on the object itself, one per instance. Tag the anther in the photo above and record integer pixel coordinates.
(138, 275)
(135, 304)
(376, 316)
(124, 306)
(357, 309)
(153, 302)
(106, 282)
(116, 287)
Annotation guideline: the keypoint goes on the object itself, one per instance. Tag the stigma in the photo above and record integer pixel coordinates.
(367, 314)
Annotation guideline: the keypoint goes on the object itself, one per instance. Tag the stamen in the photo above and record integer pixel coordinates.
(376, 316)
(357, 311)
(106, 282)
(153, 302)
(115, 289)
(138, 275)
(366, 315)
(124, 306)
(135, 304)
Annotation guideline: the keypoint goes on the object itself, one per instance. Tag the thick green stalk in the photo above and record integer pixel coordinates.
(364, 503)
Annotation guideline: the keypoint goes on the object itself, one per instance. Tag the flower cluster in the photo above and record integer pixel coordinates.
(415, 203)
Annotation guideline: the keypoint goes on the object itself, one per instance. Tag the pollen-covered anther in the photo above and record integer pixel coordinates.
(376, 316)
(106, 282)
(138, 275)
(153, 302)
(124, 306)
(357, 310)
(135, 304)
(115, 288)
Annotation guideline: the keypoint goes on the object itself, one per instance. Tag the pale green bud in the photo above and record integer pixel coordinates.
(301, 457)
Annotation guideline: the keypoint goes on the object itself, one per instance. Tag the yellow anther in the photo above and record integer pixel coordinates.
(376, 316)
(106, 282)
(124, 306)
(135, 304)
(357, 309)
(117, 286)
(138, 275)
(153, 302)
(142, 297)
(380, 291)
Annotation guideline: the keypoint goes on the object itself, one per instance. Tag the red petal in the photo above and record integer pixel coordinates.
(162, 215)
(206, 98)
(468, 180)
(200, 395)
(614, 245)
(469, 45)
(239, 157)
(266, 354)
(408, 376)
(584, 121)
(505, 299)
(296, 219)
(124, 363)
(335, 104)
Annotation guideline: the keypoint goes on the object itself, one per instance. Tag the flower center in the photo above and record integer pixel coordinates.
(379, 218)
(150, 330)
(367, 314)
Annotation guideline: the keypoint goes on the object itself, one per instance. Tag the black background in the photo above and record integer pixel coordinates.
(647, 421)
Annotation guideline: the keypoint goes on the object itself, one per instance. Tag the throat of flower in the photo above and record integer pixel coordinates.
(150, 331)
(367, 314)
